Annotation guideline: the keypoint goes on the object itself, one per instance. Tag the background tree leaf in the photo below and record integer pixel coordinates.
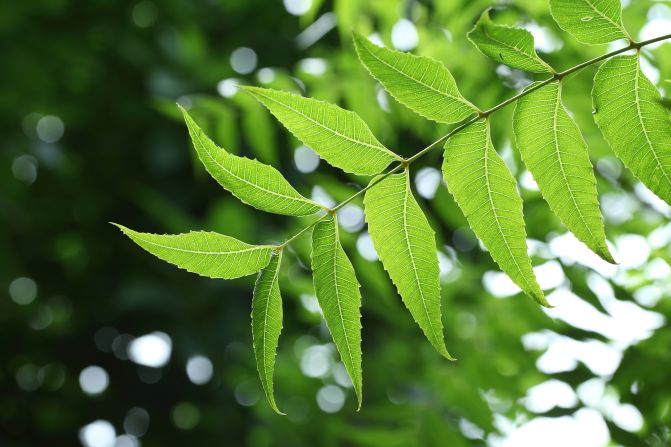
(487, 194)
(251, 181)
(338, 294)
(339, 136)
(555, 152)
(590, 21)
(507, 44)
(267, 324)
(405, 243)
(420, 83)
(205, 253)
(629, 111)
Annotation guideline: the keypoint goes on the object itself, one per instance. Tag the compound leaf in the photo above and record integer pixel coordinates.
(631, 115)
(590, 21)
(487, 194)
(267, 324)
(555, 152)
(420, 83)
(406, 246)
(339, 136)
(251, 181)
(205, 253)
(508, 45)
(338, 295)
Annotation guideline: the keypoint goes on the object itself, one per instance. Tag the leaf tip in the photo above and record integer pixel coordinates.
(442, 350)
(607, 256)
(539, 297)
(277, 410)
(120, 227)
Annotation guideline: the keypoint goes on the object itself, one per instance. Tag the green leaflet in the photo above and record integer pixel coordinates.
(208, 254)
(629, 111)
(251, 181)
(338, 295)
(590, 21)
(267, 324)
(420, 83)
(406, 246)
(506, 44)
(555, 152)
(487, 194)
(339, 136)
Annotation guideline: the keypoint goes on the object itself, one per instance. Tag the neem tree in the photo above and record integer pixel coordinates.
(627, 108)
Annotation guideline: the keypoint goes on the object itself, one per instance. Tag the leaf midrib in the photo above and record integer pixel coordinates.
(640, 119)
(335, 287)
(256, 247)
(265, 324)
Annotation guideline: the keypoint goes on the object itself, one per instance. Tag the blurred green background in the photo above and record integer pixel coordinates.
(103, 345)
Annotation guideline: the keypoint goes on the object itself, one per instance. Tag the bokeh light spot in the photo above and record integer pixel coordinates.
(93, 380)
(185, 415)
(404, 35)
(23, 290)
(199, 369)
(330, 398)
(99, 433)
(136, 421)
(144, 14)
(151, 350)
(297, 7)
(24, 168)
(243, 60)
(50, 128)
(306, 159)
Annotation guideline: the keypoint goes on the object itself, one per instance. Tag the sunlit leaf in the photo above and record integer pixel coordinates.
(267, 324)
(205, 253)
(590, 21)
(251, 181)
(420, 83)
(487, 194)
(508, 45)
(406, 246)
(338, 295)
(339, 136)
(629, 111)
(555, 152)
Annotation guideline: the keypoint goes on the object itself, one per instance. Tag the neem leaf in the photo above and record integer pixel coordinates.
(486, 192)
(339, 136)
(508, 45)
(251, 181)
(267, 324)
(405, 243)
(420, 83)
(205, 253)
(338, 295)
(590, 21)
(555, 152)
(631, 115)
